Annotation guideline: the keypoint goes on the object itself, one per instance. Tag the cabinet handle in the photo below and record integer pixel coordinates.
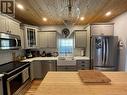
(83, 65)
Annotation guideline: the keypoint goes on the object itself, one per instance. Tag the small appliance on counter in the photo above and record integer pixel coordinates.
(55, 54)
(82, 52)
(29, 53)
(49, 54)
(43, 54)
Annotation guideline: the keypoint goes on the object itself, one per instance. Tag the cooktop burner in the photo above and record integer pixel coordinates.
(8, 67)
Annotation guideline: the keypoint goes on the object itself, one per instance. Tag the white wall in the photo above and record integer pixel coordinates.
(6, 55)
(120, 29)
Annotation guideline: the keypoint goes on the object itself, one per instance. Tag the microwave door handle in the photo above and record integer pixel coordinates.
(16, 42)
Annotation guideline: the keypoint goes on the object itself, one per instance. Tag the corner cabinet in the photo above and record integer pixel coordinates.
(47, 39)
(31, 37)
(80, 39)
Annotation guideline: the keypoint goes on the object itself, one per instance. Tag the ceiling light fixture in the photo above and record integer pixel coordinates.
(108, 13)
(70, 13)
(44, 19)
(82, 18)
(20, 6)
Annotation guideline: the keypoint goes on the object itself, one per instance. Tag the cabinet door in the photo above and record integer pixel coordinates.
(31, 37)
(51, 65)
(32, 70)
(15, 28)
(102, 29)
(80, 39)
(37, 69)
(47, 39)
(51, 39)
(2, 24)
(42, 39)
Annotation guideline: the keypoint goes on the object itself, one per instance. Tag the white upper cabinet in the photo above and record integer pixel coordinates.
(47, 39)
(30, 37)
(8, 25)
(2, 24)
(102, 29)
(80, 39)
(11, 26)
(14, 27)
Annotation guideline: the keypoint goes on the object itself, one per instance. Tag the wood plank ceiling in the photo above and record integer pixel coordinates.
(92, 10)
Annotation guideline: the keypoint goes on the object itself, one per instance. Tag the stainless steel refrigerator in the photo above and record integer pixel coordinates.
(104, 52)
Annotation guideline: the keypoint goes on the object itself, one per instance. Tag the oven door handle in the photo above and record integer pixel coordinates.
(12, 77)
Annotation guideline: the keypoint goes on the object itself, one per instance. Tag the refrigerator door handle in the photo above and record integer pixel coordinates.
(103, 50)
(107, 51)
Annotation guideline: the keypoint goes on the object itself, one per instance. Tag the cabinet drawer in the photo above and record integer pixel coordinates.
(66, 68)
(83, 64)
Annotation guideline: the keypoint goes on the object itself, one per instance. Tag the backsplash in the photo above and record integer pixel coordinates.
(6, 56)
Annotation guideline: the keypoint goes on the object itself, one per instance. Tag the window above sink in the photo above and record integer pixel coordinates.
(66, 46)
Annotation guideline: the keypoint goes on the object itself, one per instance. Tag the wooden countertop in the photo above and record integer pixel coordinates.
(69, 83)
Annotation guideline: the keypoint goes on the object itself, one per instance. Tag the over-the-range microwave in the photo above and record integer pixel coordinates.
(9, 41)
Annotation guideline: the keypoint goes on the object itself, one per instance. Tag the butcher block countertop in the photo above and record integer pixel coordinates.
(69, 83)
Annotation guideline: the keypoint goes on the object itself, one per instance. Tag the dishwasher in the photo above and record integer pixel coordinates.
(48, 65)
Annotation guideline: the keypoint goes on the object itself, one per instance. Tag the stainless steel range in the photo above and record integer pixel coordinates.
(16, 77)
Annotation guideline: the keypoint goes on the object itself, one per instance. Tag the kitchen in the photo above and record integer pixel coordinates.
(57, 36)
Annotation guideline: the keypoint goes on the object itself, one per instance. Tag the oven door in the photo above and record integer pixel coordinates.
(14, 83)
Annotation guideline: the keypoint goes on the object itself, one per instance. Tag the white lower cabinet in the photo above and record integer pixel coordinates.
(36, 70)
(40, 68)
